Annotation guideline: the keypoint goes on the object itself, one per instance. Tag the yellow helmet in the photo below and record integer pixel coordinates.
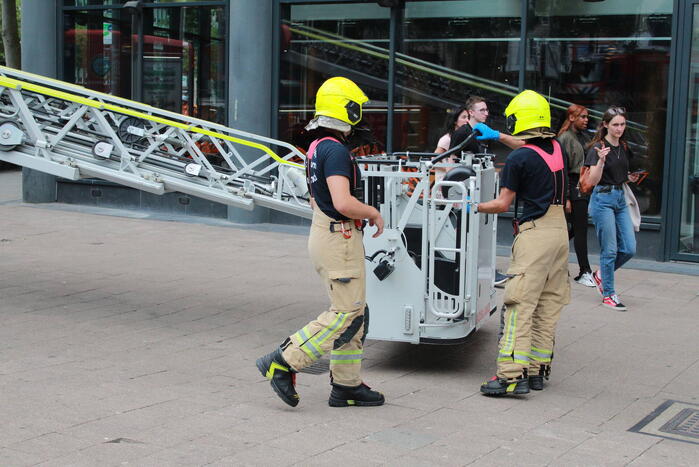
(340, 98)
(527, 110)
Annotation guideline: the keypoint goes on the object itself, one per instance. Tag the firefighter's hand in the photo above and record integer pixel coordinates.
(569, 206)
(486, 133)
(377, 221)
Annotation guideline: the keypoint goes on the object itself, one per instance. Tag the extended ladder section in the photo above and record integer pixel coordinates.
(72, 132)
(432, 269)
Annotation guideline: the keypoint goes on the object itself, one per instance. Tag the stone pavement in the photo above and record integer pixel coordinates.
(128, 341)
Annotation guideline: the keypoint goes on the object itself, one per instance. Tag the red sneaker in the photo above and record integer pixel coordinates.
(597, 277)
(613, 302)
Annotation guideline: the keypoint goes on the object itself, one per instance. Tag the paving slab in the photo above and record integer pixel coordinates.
(131, 339)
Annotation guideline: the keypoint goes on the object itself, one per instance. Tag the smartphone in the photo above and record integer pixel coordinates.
(641, 174)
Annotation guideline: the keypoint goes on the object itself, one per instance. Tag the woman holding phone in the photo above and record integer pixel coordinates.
(608, 159)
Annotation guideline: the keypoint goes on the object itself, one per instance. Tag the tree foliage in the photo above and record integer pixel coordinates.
(10, 52)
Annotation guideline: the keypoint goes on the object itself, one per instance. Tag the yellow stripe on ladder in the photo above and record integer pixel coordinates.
(17, 84)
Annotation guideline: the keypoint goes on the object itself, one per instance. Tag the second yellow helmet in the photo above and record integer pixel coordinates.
(340, 98)
(527, 110)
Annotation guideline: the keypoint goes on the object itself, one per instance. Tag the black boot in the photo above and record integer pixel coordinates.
(500, 386)
(281, 376)
(536, 382)
(362, 395)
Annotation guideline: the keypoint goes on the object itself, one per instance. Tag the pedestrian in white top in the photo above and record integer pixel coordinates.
(455, 119)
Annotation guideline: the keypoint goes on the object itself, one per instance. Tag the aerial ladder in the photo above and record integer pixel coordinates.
(430, 274)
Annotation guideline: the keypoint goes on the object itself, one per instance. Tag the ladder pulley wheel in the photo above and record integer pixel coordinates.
(131, 130)
(10, 135)
(102, 150)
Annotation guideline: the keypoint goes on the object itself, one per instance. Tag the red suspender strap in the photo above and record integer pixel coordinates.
(309, 155)
(555, 164)
(554, 161)
(312, 148)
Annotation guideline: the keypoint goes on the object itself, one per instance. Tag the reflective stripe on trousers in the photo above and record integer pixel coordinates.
(535, 295)
(340, 263)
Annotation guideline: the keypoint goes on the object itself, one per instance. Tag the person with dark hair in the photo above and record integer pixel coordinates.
(455, 119)
(608, 158)
(337, 252)
(573, 139)
(534, 175)
(478, 113)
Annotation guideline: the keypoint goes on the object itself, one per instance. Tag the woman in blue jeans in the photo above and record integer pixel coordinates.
(608, 158)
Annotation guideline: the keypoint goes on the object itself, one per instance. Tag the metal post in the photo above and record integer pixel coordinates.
(135, 8)
(524, 14)
(276, 72)
(396, 21)
(137, 83)
(250, 80)
(674, 136)
(41, 57)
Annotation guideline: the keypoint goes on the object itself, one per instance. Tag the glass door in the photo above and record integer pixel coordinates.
(183, 60)
(683, 213)
(170, 56)
(98, 50)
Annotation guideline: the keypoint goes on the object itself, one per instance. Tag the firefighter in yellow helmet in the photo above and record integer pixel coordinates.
(337, 252)
(534, 177)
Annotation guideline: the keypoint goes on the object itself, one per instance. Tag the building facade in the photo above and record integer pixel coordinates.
(255, 65)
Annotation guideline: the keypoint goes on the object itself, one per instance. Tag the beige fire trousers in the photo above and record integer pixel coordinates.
(340, 330)
(535, 295)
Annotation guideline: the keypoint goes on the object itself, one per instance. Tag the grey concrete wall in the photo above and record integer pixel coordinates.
(39, 55)
(250, 80)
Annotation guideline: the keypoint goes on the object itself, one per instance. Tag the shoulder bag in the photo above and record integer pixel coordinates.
(585, 185)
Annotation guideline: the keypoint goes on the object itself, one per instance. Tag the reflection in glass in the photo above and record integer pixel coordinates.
(184, 61)
(689, 224)
(451, 50)
(600, 54)
(89, 2)
(183, 57)
(117, 2)
(97, 50)
(320, 41)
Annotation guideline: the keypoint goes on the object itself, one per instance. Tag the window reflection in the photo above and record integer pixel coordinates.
(689, 214)
(183, 58)
(184, 61)
(115, 2)
(88, 2)
(608, 53)
(451, 50)
(97, 50)
(324, 40)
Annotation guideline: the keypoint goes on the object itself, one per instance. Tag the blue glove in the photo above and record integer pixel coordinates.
(486, 133)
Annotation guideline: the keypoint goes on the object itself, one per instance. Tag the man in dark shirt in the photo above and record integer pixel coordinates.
(534, 175)
(478, 112)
